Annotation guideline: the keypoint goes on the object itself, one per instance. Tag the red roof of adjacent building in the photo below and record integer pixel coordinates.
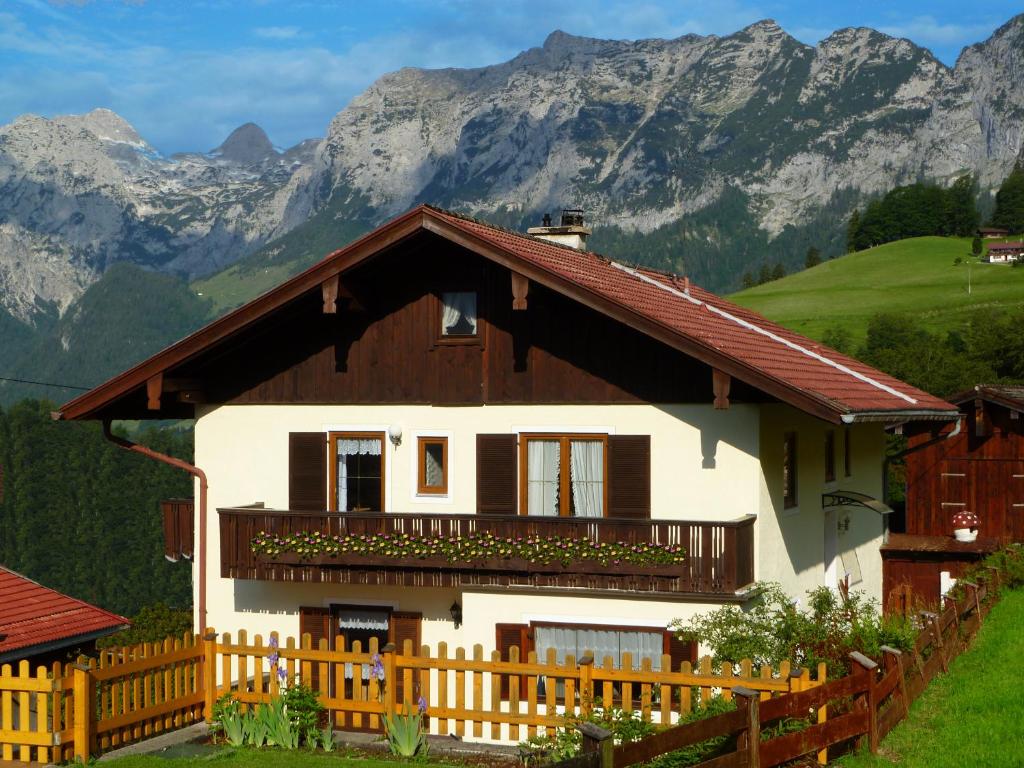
(32, 615)
(1014, 246)
(737, 341)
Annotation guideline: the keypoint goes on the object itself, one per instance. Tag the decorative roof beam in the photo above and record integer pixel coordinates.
(520, 287)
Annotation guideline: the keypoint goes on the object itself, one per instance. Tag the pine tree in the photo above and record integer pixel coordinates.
(976, 246)
(813, 257)
(778, 272)
(765, 275)
(748, 280)
(963, 213)
(1009, 212)
(853, 231)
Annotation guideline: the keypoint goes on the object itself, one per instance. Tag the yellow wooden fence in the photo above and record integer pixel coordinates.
(129, 694)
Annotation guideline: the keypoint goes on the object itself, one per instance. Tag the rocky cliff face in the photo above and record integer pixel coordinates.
(80, 192)
(640, 134)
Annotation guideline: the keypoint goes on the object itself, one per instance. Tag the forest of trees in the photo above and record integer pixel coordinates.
(83, 516)
(988, 348)
(1009, 212)
(915, 211)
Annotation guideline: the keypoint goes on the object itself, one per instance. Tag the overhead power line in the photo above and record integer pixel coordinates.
(44, 383)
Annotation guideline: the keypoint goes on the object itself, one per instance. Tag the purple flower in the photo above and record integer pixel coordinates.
(421, 705)
(377, 671)
(282, 673)
(273, 641)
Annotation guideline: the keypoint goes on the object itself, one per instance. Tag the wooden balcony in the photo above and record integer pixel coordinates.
(719, 556)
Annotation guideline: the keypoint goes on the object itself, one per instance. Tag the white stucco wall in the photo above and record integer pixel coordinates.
(706, 465)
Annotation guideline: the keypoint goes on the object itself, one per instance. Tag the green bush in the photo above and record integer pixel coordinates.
(152, 624)
(293, 717)
(774, 628)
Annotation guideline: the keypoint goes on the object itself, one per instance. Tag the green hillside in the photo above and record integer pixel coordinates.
(916, 276)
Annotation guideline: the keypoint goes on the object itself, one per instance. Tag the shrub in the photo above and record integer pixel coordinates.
(773, 628)
(152, 624)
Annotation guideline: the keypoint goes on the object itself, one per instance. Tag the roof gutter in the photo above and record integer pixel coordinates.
(196, 472)
(63, 642)
(901, 415)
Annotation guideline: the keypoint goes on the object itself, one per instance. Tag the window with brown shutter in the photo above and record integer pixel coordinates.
(507, 637)
(496, 474)
(307, 471)
(317, 622)
(629, 476)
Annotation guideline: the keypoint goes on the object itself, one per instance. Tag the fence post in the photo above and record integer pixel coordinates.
(862, 661)
(596, 740)
(933, 618)
(977, 601)
(749, 741)
(83, 703)
(897, 656)
(209, 674)
(390, 680)
(586, 668)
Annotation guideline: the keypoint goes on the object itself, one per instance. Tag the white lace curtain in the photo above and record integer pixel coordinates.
(432, 470)
(543, 458)
(353, 446)
(577, 641)
(459, 316)
(586, 474)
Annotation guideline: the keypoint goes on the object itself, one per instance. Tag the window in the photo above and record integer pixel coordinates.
(830, 456)
(432, 474)
(458, 315)
(357, 471)
(576, 640)
(789, 470)
(847, 458)
(563, 475)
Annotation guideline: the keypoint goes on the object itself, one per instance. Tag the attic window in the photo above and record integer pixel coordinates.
(458, 315)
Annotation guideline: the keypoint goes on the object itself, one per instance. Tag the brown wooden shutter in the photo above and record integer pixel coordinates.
(179, 516)
(496, 474)
(679, 650)
(307, 471)
(629, 476)
(405, 625)
(318, 623)
(508, 636)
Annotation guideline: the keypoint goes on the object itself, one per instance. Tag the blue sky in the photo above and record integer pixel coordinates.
(186, 72)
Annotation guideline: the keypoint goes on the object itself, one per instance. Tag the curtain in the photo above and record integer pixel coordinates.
(433, 471)
(586, 473)
(543, 458)
(459, 317)
(562, 639)
(642, 645)
(352, 446)
(363, 619)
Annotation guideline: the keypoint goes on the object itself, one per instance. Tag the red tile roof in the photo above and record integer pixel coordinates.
(738, 341)
(1014, 246)
(33, 615)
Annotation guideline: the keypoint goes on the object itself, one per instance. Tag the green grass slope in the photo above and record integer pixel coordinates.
(972, 715)
(915, 276)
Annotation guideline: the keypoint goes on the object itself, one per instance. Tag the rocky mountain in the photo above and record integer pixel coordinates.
(81, 192)
(704, 154)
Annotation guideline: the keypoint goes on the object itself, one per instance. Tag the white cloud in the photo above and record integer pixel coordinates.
(277, 33)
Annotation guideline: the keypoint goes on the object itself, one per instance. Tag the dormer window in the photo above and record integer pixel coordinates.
(458, 315)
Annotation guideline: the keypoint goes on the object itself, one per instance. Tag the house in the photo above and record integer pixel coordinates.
(976, 465)
(442, 381)
(41, 625)
(1004, 253)
(990, 232)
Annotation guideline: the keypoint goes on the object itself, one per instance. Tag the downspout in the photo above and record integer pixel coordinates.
(889, 459)
(193, 470)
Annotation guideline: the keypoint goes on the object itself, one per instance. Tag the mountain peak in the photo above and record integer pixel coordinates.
(248, 144)
(107, 125)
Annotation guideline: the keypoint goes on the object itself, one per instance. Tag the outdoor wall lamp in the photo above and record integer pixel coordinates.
(395, 435)
(456, 612)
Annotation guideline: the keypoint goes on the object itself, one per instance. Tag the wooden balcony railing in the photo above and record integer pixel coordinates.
(719, 555)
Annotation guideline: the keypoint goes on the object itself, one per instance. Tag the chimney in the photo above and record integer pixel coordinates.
(569, 232)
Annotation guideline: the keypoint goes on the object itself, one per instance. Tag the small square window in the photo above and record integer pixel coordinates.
(458, 314)
(432, 476)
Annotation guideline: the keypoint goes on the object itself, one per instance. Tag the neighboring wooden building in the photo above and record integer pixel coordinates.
(41, 625)
(1004, 253)
(977, 468)
(443, 378)
(991, 232)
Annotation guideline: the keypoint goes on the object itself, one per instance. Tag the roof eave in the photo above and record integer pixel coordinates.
(903, 415)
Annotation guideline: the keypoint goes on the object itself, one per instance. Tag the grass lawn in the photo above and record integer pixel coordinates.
(914, 276)
(973, 716)
(228, 757)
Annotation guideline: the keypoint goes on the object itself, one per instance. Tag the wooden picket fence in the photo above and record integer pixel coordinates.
(863, 706)
(470, 696)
